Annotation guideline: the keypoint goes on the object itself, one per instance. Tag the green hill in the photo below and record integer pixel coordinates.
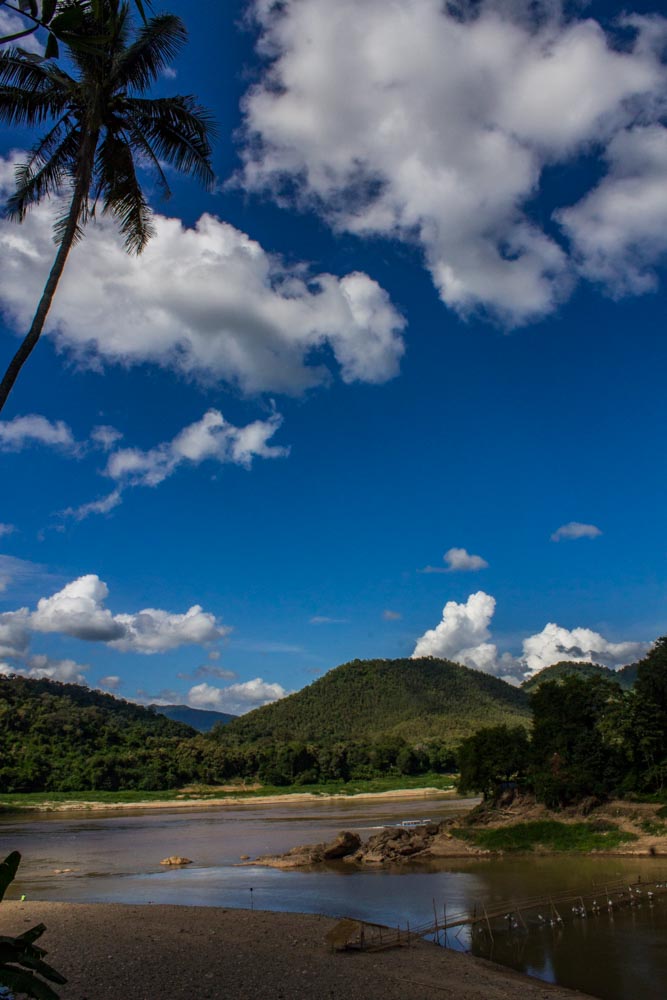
(569, 668)
(200, 719)
(65, 737)
(373, 699)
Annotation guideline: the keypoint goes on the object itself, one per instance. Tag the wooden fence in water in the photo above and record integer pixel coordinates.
(543, 910)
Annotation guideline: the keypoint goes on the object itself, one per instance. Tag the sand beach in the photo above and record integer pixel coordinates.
(115, 951)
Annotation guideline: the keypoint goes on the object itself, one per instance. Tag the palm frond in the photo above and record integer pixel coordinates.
(23, 107)
(158, 42)
(179, 131)
(50, 164)
(16, 69)
(139, 143)
(121, 192)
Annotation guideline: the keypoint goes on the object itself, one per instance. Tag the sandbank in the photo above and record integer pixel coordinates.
(82, 805)
(115, 951)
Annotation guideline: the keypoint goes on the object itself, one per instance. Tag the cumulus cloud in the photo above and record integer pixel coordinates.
(575, 529)
(78, 611)
(235, 698)
(433, 123)
(40, 665)
(554, 643)
(210, 303)
(14, 633)
(619, 230)
(21, 432)
(463, 636)
(463, 633)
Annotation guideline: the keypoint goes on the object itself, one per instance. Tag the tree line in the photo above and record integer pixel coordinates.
(590, 738)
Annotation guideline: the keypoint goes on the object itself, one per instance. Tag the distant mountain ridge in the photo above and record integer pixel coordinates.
(418, 699)
(200, 719)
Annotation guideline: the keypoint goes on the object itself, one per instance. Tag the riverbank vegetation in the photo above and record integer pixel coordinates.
(548, 835)
(591, 739)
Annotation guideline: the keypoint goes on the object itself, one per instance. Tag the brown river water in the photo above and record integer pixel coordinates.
(114, 857)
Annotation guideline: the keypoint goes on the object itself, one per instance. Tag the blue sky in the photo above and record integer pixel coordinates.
(421, 314)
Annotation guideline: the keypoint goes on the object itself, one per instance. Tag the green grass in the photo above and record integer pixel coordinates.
(30, 800)
(549, 834)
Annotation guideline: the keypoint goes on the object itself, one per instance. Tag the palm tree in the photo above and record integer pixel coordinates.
(98, 122)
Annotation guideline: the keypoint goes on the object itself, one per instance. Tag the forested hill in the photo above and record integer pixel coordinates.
(625, 677)
(366, 700)
(68, 737)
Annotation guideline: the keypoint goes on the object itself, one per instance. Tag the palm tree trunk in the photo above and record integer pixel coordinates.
(81, 189)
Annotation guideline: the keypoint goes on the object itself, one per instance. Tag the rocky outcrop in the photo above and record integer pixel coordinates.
(174, 859)
(392, 845)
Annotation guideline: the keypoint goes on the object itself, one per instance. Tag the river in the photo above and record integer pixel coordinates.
(115, 857)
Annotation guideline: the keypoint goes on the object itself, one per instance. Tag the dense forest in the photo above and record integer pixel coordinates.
(414, 700)
(591, 737)
(578, 732)
(625, 677)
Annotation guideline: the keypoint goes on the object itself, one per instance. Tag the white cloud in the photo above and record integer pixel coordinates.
(14, 633)
(391, 616)
(433, 123)
(78, 611)
(33, 429)
(212, 438)
(235, 698)
(104, 505)
(7, 529)
(619, 230)
(554, 643)
(110, 683)
(463, 636)
(461, 561)
(40, 665)
(104, 436)
(575, 529)
(11, 24)
(210, 302)
(325, 620)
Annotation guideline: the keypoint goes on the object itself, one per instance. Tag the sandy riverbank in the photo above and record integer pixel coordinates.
(113, 951)
(81, 805)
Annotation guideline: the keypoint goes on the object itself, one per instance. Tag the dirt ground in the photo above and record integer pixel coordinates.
(114, 952)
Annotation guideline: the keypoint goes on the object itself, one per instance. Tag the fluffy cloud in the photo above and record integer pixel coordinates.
(235, 698)
(575, 529)
(14, 633)
(433, 123)
(458, 561)
(209, 301)
(78, 611)
(619, 230)
(11, 24)
(463, 636)
(554, 643)
(40, 665)
(21, 432)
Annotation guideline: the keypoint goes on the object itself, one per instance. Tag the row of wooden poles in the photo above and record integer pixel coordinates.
(600, 897)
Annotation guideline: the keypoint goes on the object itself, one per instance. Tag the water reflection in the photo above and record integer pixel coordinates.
(115, 858)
